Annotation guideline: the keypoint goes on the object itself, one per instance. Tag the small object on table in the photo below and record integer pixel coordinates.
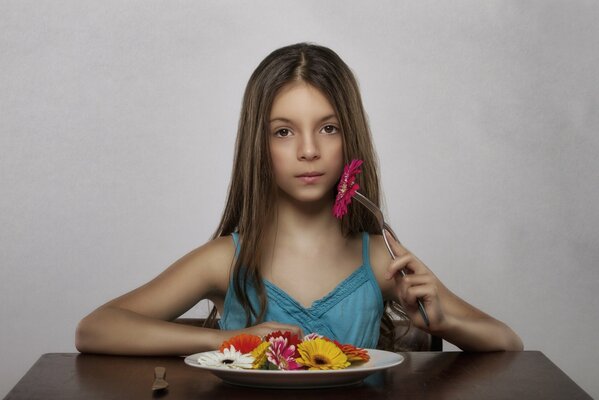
(159, 379)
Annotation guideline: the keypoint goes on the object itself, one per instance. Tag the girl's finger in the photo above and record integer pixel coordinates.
(397, 265)
(405, 283)
(413, 293)
(414, 280)
(409, 262)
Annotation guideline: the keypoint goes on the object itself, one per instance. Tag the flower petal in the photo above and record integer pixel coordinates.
(321, 354)
(346, 188)
(243, 342)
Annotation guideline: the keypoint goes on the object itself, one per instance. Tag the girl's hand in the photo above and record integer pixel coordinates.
(419, 283)
(265, 328)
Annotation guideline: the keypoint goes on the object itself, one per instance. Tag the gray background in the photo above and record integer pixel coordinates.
(118, 122)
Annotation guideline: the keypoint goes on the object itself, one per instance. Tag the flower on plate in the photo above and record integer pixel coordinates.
(292, 339)
(281, 354)
(244, 343)
(228, 358)
(312, 336)
(259, 354)
(352, 352)
(346, 188)
(283, 351)
(321, 354)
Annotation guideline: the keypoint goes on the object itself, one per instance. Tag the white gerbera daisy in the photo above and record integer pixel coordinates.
(229, 358)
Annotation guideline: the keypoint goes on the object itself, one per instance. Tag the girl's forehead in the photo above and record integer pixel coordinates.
(295, 87)
(300, 98)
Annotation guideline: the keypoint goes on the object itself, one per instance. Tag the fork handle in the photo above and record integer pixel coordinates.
(402, 271)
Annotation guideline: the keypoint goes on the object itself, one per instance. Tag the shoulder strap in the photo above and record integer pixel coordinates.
(235, 236)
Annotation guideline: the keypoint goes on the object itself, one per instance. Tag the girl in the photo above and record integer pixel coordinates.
(279, 259)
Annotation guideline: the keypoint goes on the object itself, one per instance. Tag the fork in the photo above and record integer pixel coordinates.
(378, 214)
(159, 381)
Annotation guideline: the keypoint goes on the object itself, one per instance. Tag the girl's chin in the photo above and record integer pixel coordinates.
(315, 197)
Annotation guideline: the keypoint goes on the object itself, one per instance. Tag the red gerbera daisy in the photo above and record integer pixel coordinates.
(292, 338)
(346, 188)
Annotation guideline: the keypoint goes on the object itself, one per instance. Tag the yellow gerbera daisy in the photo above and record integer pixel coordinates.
(321, 354)
(259, 354)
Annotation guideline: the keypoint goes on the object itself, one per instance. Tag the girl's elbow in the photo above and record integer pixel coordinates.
(84, 337)
(511, 342)
(515, 344)
(508, 340)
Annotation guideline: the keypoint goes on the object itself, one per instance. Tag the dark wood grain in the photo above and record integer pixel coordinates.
(423, 375)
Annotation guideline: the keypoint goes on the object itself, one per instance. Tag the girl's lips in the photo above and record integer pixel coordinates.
(310, 177)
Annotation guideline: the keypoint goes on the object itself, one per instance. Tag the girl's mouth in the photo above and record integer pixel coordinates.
(310, 177)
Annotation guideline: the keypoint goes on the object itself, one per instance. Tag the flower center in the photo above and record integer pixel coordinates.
(341, 190)
(320, 360)
(227, 361)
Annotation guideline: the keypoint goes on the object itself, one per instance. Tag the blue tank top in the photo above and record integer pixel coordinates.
(350, 313)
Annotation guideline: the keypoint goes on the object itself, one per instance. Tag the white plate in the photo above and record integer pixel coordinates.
(353, 374)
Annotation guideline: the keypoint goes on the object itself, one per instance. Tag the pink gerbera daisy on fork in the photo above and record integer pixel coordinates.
(347, 187)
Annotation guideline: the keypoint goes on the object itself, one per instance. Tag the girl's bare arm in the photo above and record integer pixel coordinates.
(450, 317)
(138, 322)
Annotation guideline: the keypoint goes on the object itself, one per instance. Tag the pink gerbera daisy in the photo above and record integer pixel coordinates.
(347, 187)
(292, 339)
(281, 354)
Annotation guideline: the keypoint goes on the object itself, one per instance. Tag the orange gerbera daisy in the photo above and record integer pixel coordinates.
(243, 343)
(353, 353)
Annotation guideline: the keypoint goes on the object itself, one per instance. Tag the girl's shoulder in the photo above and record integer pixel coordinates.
(216, 252)
(211, 261)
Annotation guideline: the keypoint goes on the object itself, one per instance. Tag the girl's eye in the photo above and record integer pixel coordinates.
(330, 129)
(282, 132)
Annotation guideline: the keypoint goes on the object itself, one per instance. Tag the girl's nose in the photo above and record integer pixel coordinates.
(308, 149)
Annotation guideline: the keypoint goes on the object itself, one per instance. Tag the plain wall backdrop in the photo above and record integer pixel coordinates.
(118, 119)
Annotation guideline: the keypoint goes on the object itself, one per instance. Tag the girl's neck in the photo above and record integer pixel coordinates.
(304, 221)
(302, 232)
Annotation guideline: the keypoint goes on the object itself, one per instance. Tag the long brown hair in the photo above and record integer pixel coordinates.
(251, 196)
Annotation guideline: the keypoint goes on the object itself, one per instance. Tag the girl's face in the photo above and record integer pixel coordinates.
(306, 145)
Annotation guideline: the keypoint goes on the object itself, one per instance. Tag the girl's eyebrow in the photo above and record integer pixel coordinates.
(288, 121)
(331, 116)
(280, 119)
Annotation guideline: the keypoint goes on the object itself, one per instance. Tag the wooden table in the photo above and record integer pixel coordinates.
(423, 375)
